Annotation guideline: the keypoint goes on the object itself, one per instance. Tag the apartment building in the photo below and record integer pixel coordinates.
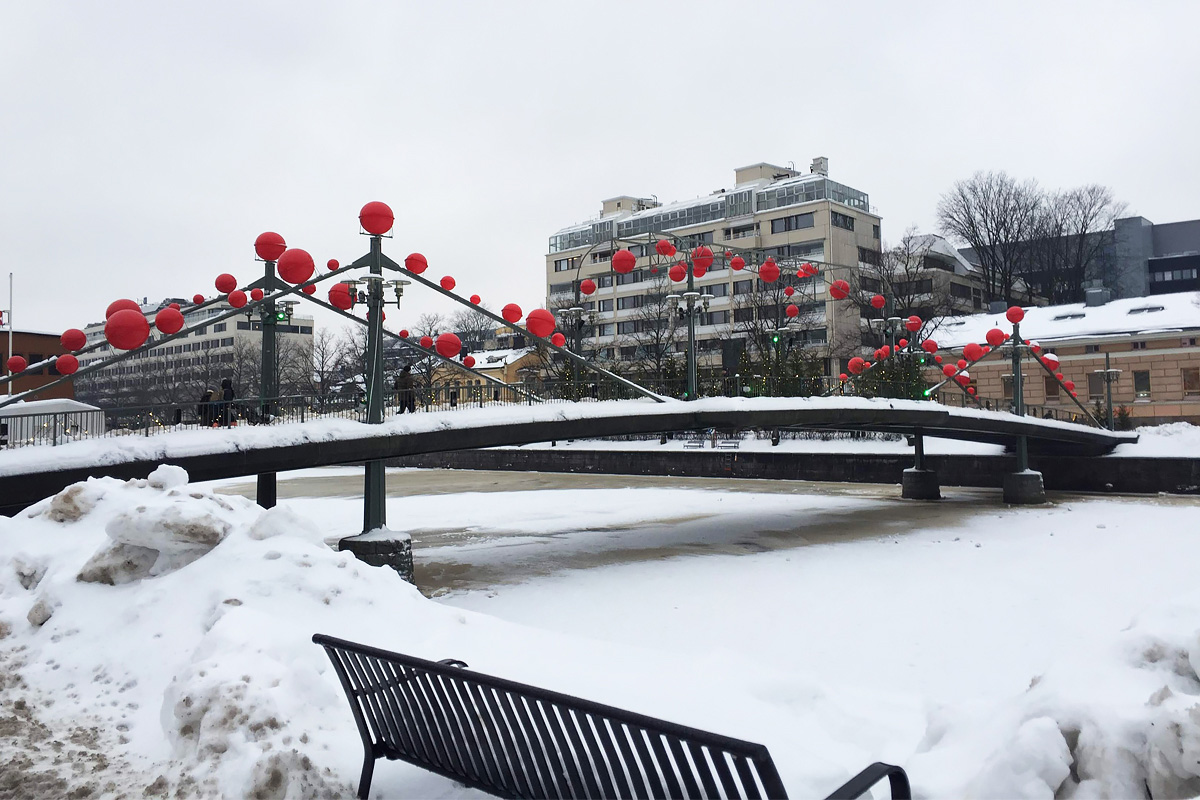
(1154, 341)
(34, 347)
(180, 370)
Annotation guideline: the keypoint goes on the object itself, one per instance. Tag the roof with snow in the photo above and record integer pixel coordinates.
(1160, 313)
(496, 359)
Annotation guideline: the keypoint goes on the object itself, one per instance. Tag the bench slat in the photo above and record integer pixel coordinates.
(537, 761)
(466, 739)
(670, 782)
(393, 732)
(590, 748)
(440, 734)
(479, 720)
(699, 756)
(368, 701)
(683, 765)
(515, 778)
(749, 784)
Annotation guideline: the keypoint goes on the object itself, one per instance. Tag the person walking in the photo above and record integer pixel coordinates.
(405, 395)
(227, 398)
(206, 409)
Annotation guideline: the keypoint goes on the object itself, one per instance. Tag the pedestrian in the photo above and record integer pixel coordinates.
(206, 409)
(227, 398)
(405, 395)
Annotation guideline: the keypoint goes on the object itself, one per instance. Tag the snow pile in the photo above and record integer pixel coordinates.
(1170, 440)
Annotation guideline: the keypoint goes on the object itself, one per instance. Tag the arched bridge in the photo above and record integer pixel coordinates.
(28, 474)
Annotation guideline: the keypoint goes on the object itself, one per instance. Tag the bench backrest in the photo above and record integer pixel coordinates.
(515, 740)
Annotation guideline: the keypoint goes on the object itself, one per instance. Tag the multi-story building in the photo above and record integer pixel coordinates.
(182, 369)
(1154, 342)
(1154, 259)
(769, 211)
(34, 347)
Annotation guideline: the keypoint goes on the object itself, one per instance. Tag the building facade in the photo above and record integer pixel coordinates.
(181, 370)
(1156, 259)
(1154, 342)
(35, 347)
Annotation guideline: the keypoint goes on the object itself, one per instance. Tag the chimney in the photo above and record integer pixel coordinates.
(820, 166)
(997, 307)
(1096, 297)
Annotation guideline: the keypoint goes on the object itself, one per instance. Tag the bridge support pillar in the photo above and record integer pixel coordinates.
(1024, 488)
(267, 493)
(382, 548)
(920, 484)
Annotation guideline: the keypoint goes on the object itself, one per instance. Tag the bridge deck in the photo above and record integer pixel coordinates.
(28, 474)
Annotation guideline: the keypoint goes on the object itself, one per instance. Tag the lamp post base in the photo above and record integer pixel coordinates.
(1024, 488)
(920, 484)
(382, 548)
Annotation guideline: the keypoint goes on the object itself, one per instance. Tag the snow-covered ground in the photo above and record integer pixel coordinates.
(991, 651)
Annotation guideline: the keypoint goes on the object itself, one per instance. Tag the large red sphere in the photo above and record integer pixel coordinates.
(948, 370)
(737, 263)
(511, 313)
(256, 294)
(416, 263)
(376, 218)
(73, 339)
(913, 324)
(702, 257)
(176, 306)
(1050, 360)
(1015, 314)
(973, 352)
(310, 289)
(448, 345)
(843, 377)
(878, 301)
(623, 262)
(475, 299)
(296, 265)
(426, 342)
(664, 248)
(769, 271)
(332, 264)
(66, 364)
(792, 310)
(117, 305)
(962, 363)
(1070, 385)
(699, 270)
(856, 365)
(197, 299)
(587, 286)
(16, 364)
(788, 291)
(225, 283)
(540, 323)
(995, 337)
(929, 346)
(127, 329)
(404, 333)
(677, 273)
(237, 298)
(169, 321)
(839, 289)
(447, 283)
(558, 340)
(339, 296)
(469, 362)
(269, 246)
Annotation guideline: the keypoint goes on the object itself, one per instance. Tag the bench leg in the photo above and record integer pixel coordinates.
(364, 781)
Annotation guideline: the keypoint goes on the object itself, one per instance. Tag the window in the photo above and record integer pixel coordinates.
(627, 327)
(959, 290)
(868, 256)
(1051, 387)
(717, 289)
(1095, 386)
(715, 318)
(629, 277)
(563, 264)
(1189, 342)
(1191, 381)
(601, 255)
(743, 314)
(875, 231)
(561, 288)
(1141, 384)
(743, 287)
(604, 281)
(1091, 348)
(923, 286)
(1137, 345)
(741, 231)
(841, 220)
(306, 329)
(794, 223)
(605, 305)
(219, 327)
(633, 301)
(1006, 386)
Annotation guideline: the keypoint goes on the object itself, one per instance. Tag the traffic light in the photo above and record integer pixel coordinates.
(775, 338)
(281, 316)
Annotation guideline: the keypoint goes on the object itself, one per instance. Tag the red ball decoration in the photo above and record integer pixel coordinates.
(416, 263)
(1035, 347)
(699, 270)
(769, 271)
(469, 362)
(903, 343)
(237, 298)
(843, 377)
(169, 321)
(737, 263)
(197, 299)
(127, 329)
(839, 289)
(623, 261)
(677, 273)
(1069, 385)
(540, 323)
(973, 352)
(117, 305)
(929, 346)
(376, 218)
(587, 286)
(792, 310)
(73, 339)
(856, 365)
(256, 294)
(296, 265)
(1058, 375)
(937, 359)
(702, 257)
(511, 313)
(886, 350)
(558, 340)
(448, 345)
(66, 364)
(1015, 314)
(310, 289)
(16, 364)
(1050, 360)
(475, 299)
(913, 324)
(664, 248)
(962, 363)
(995, 337)
(404, 333)
(339, 297)
(447, 283)
(176, 306)
(948, 370)
(971, 390)
(225, 283)
(426, 342)
(963, 378)
(878, 301)
(269, 246)
(788, 291)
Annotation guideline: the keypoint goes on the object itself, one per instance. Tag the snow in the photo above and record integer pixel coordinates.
(1171, 440)
(183, 443)
(817, 443)
(1180, 311)
(990, 651)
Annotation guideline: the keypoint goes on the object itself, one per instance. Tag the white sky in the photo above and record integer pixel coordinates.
(143, 146)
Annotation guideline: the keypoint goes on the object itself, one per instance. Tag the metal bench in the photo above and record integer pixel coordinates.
(693, 444)
(514, 740)
(728, 444)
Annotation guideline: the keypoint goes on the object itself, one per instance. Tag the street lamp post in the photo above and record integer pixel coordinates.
(691, 304)
(577, 318)
(1109, 376)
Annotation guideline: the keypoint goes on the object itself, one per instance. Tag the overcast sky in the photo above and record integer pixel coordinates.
(143, 146)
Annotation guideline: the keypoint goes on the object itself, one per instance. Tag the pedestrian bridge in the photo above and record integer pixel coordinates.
(29, 474)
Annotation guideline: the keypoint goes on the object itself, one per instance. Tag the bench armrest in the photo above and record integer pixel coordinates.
(453, 662)
(863, 781)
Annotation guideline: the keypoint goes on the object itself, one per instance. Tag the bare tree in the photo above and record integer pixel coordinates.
(996, 217)
(474, 328)
(655, 332)
(424, 367)
(1073, 242)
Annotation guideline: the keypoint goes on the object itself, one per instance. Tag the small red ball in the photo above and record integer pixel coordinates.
(256, 294)
(469, 362)
(269, 246)
(16, 364)
(197, 299)
(332, 264)
(426, 342)
(447, 283)
(558, 340)
(404, 333)
(878, 301)
(792, 310)
(623, 262)
(769, 271)
(1015, 314)
(376, 218)
(225, 283)
(540, 323)
(73, 339)
(416, 263)
(310, 289)
(66, 364)
(296, 265)
(677, 273)
(169, 321)
(587, 286)
(511, 313)
(237, 298)
(475, 299)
